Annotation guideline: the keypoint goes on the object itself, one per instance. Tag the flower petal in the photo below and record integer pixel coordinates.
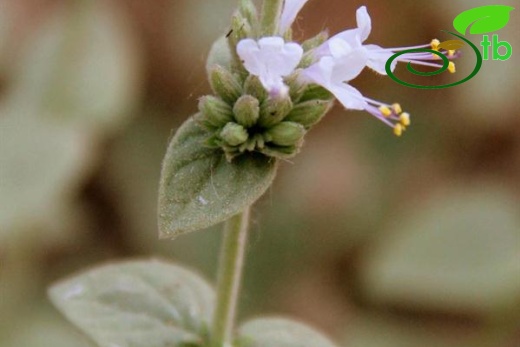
(320, 72)
(339, 48)
(350, 37)
(274, 85)
(249, 52)
(290, 12)
(331, 73)
(377, 59)
(353, 37)
(292, 53)
(280, 58)
(270, 59)
(349, 66)
(349, 96)
(364, 22)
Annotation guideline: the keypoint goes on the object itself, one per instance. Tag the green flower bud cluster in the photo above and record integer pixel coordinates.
(242, 117)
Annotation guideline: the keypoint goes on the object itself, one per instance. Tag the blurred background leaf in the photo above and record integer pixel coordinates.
(457, 252)
(82, 65)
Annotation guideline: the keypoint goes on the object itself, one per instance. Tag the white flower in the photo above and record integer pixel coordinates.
(343, 64)
(271, 59)
(334, 71)
(338, 61)
(377, 56)
(290, 11)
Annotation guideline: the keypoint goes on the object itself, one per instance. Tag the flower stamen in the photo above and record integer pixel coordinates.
(386, 111)
(391, 115)
(420, 58)
(397, 108)
(451, 67)
(398, 130)
(404, 118)
(435, 44)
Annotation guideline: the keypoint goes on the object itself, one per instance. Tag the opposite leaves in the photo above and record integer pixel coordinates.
(138, 304)
(200, 188)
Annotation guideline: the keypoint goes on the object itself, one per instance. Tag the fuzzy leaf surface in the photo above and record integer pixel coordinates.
(200, 188)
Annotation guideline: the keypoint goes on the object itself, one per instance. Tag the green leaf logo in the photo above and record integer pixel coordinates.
(483, 20)
(451, 45)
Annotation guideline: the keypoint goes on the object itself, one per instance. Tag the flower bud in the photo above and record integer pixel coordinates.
(219, 54)
(247, 111)
(215, 112)
(314, 92)
(274, 110)
(315, 41)
(307, 60)
(254, 87)
(285, 134)
(310, 112)
(296, 86)
(281, 152)
(309, 46)
(234, 134)
(248, 9)
(240, 29)
(225, 84)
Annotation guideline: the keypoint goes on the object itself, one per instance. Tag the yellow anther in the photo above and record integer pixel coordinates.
(451, 53)
(435, 44)
(451, 67)
(398, 130)
(386, 111)
(397, 108)
(404, 118)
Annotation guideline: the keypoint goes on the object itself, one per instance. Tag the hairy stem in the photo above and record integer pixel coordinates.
(271, 12)
(229, 278)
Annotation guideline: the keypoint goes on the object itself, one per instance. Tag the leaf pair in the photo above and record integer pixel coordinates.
(157, 304)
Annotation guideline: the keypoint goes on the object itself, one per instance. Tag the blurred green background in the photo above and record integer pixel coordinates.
(375, 240)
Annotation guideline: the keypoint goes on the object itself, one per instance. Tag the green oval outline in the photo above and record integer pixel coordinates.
(442, 69)
(445, 64)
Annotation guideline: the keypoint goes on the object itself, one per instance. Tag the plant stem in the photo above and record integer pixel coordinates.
(271, 12)
(229, 278)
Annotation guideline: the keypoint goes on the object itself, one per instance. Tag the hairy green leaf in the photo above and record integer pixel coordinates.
(137, 304)
(483, 19)
(200, 188)
(269, 332)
